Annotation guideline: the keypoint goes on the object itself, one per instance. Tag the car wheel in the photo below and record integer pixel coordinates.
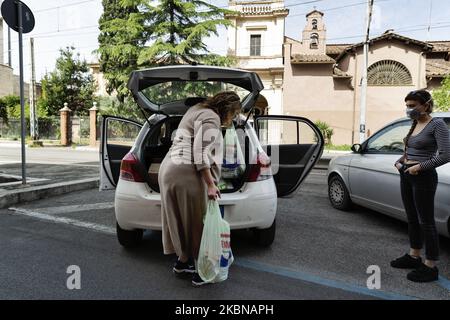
(129, 238)
(265, 237)
(338, 194)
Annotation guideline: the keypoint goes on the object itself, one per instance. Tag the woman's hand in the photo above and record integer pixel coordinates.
(213, 192)
(414, 170)
(398, 165)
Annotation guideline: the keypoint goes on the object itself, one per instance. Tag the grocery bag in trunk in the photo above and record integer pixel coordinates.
(233, 161)
(215, 254)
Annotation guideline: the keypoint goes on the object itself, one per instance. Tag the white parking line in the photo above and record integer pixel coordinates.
(76, 208)
(67, 163)
(443, 282)
(73, 222)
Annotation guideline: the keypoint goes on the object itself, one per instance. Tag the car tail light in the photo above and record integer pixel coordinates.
(261, 170)
(129, 169)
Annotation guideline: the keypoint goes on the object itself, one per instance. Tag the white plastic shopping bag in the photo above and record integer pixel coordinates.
(226, 258)
(215, 254)
(233, 162)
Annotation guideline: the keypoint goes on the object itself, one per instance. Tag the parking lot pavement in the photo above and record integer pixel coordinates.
(318, 253)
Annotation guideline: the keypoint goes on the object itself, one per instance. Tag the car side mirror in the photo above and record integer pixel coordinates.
(357, 148)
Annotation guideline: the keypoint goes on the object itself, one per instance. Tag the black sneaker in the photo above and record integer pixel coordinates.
(406, 262)
(423, 274)
(183, 267)
(197, 281)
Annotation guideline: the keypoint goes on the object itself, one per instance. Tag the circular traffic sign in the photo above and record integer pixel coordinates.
(10, 13)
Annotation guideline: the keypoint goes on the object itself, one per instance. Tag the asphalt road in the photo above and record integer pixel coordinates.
(11, 153)
(319, 253)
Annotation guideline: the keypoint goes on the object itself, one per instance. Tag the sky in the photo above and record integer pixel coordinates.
(61, 23)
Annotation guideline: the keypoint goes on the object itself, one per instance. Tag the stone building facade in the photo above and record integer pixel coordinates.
(321, 81)
(9, 82)
(256, 40)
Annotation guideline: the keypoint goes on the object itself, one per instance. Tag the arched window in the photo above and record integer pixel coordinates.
(314, 41)
(314, 24)
(388, 73)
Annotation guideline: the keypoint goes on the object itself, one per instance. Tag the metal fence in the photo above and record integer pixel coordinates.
(48, 128)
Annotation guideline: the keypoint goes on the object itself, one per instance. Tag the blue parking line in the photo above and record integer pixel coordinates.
(299, 275)
(443, 282)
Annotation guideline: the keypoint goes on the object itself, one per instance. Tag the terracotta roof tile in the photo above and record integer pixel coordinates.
(338, 73)
(311, 58)
(336, 48)
(440, 46)
(437, 67)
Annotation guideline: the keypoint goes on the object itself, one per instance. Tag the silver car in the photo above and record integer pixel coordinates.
(367, 176)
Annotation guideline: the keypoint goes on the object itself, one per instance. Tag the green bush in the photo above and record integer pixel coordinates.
(327, 131)
(441, 96)
(342, 147)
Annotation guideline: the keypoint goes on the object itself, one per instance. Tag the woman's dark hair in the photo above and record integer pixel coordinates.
(423, 97)
(223, 103)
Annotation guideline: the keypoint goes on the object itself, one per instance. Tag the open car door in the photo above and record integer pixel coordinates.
(294, 145)
(117, 139)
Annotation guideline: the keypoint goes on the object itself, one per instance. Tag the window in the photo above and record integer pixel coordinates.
(170, 91)
(388, 73)
(314, 24)
(255, 45)
(285, 132)
(314, 41)
(390, 139)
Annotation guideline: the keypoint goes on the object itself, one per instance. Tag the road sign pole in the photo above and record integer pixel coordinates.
(19, 18)
(22, 100)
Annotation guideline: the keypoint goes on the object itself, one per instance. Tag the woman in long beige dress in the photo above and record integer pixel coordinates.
(189, 175)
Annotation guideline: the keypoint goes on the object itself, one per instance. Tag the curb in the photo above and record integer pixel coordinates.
(39, 192)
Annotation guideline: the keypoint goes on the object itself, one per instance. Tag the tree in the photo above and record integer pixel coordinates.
(9, 107)
(12, 106)
(441, 96)
(123, 34)
(178, 30)
(327, 131)
(70, 82)
(111, 106)
(142, 33)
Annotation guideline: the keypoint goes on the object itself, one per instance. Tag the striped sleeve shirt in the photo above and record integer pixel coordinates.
(431, 146)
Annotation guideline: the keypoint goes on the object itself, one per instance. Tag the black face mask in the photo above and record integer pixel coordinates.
(414, 113)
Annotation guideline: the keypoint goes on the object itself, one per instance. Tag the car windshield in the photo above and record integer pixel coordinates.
(171, 91)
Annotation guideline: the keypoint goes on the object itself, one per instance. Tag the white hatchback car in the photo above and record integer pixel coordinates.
(131, 152)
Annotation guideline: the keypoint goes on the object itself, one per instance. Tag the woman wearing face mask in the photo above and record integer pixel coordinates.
(427, 146)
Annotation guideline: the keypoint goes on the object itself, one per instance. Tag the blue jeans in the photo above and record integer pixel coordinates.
(418, 193)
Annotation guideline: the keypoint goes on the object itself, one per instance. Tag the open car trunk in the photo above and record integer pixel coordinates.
(158, 142)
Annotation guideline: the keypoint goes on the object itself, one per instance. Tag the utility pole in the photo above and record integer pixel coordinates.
(33, 116)
(9, 47)
(429, 21)
(362, 122)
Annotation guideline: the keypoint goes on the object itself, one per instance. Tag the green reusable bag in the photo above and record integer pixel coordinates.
(215, 256)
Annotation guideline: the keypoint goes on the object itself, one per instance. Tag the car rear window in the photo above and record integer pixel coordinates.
(171, 91)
